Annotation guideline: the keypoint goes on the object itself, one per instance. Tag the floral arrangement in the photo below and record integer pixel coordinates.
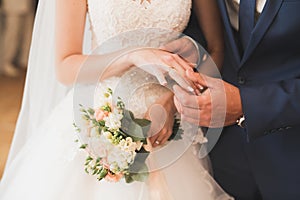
(116, 141)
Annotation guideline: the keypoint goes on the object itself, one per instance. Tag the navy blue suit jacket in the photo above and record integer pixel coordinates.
(268, 73)
(262, 161)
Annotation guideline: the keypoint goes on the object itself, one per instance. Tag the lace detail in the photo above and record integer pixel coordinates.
(109, 18)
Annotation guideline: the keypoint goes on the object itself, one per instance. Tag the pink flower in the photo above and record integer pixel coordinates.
(100, 114)
(113, 177)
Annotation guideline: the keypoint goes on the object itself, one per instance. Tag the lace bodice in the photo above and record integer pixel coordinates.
(109, 18)
(136, 23)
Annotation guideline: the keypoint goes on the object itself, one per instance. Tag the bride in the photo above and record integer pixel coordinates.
(44, 161)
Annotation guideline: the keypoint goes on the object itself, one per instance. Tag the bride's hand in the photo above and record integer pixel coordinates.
(159, 62)
(185, 47)
(161, 115)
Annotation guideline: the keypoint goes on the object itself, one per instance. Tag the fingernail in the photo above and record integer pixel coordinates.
(190, 89)
(192, 64)
(200, 86)
(164, 83)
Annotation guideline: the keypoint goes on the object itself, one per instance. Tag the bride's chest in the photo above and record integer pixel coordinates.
(129, 14)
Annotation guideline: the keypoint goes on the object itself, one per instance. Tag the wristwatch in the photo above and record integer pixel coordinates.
(240, 121)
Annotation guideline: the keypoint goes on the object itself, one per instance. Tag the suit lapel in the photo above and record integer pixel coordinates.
(229, 32)
(262, 25)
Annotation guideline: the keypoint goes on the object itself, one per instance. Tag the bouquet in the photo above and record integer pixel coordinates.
(116, 141)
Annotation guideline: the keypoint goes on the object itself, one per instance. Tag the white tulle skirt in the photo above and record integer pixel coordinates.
(51, 167)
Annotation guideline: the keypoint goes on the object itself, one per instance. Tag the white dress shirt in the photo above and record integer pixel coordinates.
(233, 10)
(18, 7)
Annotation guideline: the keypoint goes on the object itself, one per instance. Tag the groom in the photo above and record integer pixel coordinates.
(258, 153)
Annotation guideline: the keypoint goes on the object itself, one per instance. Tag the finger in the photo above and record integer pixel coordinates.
(166, 137)
(154, 141)
(182, 62)
(178, 67)
(186, 99)
(160, 137)
(176, 61)
(193, 65)
(181, 81)
(181, 66)
(179, 73)
(197, 77)
(177, 105)
(158, 116)
(160, 77)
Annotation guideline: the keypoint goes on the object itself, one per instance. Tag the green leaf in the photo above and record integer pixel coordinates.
(98, 160)
(89, 158)
(138, 171)
(109, 90)
(91, 111)
(141, 175)
(120, 103)
(177, 131)
(77, 129)
(83, 146)
(128, 178)
(95, 172)
(103, 173)
(142, 122)
(106, 108)
(101, 123)
(86, 117)
(135, 128)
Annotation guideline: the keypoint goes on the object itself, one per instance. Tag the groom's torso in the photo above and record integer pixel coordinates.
(274, 50)
(271, 58)
(268, 70)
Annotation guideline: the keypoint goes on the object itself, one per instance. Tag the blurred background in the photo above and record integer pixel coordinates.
(16, 23)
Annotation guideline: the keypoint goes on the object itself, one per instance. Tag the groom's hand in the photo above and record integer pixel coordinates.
(218, 106)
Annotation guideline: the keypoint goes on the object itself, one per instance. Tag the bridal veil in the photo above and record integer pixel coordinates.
(42, 91)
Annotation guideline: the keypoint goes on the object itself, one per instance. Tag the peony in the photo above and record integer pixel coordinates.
(98, 147)
(120, 158)
(113, 177)
(100, 114)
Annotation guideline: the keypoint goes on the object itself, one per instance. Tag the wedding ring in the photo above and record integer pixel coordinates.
(157, 142)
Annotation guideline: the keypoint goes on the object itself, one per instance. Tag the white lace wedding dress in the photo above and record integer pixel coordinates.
(50, 166)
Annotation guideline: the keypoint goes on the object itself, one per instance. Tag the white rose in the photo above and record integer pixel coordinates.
(113, 121)
(107, 134)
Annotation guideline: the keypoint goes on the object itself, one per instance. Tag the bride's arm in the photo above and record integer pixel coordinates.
(70, 23)
(209, 19)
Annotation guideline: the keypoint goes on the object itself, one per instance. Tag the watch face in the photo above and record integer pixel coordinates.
(240, 122)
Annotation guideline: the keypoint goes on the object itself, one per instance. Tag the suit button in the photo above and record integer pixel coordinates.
(273, 130)
(280, 129)
(241, 80)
